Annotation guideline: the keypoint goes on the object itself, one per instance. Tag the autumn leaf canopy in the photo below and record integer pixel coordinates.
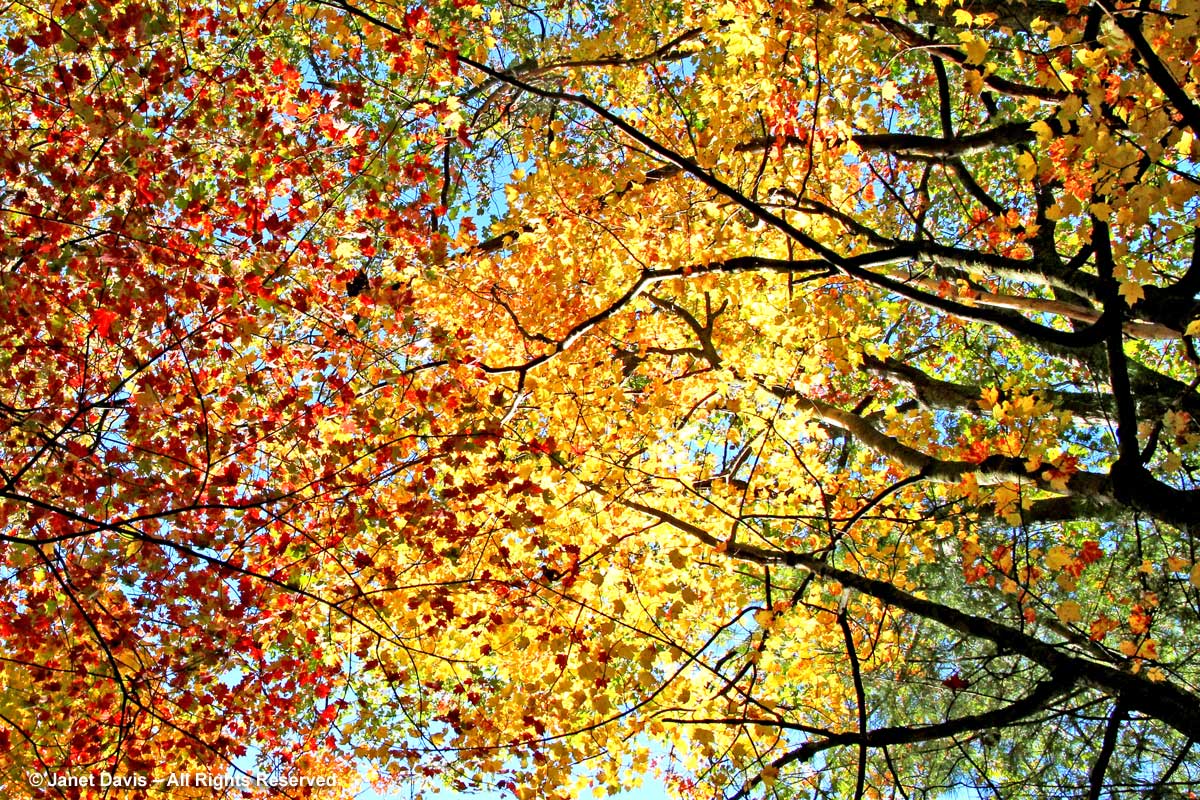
(760, 399)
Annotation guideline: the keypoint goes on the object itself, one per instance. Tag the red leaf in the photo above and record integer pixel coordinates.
(102, 320)
(414, 16)
(977, 452)
(1091, 552)
(956, 682)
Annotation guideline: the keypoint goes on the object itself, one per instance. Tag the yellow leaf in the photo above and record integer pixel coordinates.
(1069, 611)
(1026, 166)
(975, 46)
(1092, 59)
(1132, 292)
(1194, 577)
(1058, 557)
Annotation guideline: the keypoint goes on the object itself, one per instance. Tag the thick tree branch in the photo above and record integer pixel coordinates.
(1162, 77)
(946, 147)
(1107, 746)
(1038, 699)
(932, 392)
(992, 470)
(860, 696)
(994, 82)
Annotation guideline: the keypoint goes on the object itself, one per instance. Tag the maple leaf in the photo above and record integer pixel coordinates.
(103, 319)
(1069, 611)
(1132, 292)
(956, 682)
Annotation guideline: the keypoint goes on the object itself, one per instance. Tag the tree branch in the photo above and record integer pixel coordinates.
(1096, 778)
(1037, 699)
